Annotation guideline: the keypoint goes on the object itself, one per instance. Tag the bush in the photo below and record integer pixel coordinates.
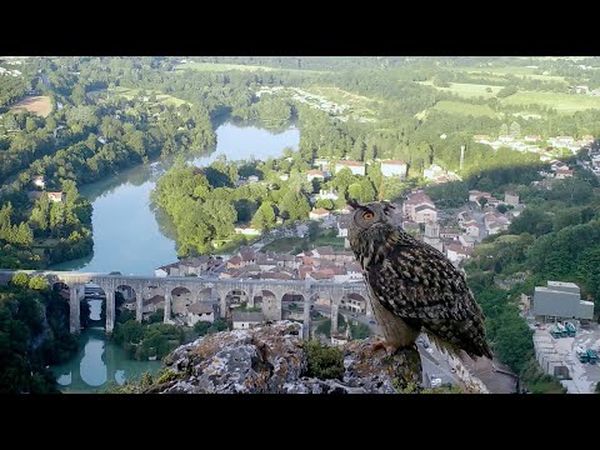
(324, 362)
(202, 327)
(157, 316)
(38, 283)
(20, 279)
(218, 325)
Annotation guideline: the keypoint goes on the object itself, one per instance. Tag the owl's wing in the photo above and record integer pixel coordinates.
(419, 284)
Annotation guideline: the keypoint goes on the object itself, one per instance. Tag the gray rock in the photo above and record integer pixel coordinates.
(272, 359)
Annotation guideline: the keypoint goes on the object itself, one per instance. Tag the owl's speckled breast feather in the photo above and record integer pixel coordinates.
(418, 284)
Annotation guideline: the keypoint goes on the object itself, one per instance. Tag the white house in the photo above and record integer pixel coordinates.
(165, 271)
(200, 312)
(394, 168)
(318, 214)
(39, 181)
(247, 231)
(320, 163)
(425, 213)
(433, 172)
(495, 223)
(357, 168)
(467, 241)
(356, 305)
(472, 228)
(511, 198)
(415, 200)
(242, 320)
(563, 172)
(56, 197)
(315, 174)
(457, 253)
(327, 195)
(532, 138)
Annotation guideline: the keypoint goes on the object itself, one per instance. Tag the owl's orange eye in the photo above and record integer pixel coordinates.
(368, 215)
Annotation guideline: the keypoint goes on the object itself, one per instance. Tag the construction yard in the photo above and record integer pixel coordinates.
(557, 353)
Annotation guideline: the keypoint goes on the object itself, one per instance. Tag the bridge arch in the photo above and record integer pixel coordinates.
(126, 297)
(293, 304)
(234, 298)
(181, 298)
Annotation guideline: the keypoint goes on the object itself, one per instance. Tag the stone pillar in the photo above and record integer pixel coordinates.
(110, 311)
(75, 293)
(306, 328)
(279, 310)
(223, 304)
(167, 317)
(76, 379)
(334, 316)
(139, 306)
(369, 309)
(250, 298)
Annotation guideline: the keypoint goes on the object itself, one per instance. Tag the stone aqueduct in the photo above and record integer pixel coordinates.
(251, 289)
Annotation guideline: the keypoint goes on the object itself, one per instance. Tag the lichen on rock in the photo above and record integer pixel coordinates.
(274, 359)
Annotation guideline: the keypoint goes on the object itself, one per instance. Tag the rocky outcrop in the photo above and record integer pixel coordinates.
(274, 359)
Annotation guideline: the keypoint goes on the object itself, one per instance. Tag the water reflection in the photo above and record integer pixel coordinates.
(132, 238)
(99, 363)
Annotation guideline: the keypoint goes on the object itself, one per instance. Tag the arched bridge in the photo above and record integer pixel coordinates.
(268, 295)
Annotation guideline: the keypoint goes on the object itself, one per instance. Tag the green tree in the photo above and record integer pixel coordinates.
(38, 283)
(294, 206)
(264, 218)
(20, 279)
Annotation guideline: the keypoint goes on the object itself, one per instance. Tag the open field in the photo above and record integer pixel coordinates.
(464, 108)
(222, 67)
(467, 90)
(333, 240)
(358, 104)
(283, 245)
(130, 93)
(286, 245)
(518, 71)
(498, 73)
(39, 105)
(562, 103)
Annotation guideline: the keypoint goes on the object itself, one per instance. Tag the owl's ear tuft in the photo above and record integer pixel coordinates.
(353, 203)
(387, 206)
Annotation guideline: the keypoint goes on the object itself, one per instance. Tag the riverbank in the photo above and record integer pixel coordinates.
(132, 237)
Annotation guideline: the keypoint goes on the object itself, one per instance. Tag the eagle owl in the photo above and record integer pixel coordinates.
(414, 287)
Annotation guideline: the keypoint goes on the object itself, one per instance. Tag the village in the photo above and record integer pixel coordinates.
(545, 148)
(454, 232)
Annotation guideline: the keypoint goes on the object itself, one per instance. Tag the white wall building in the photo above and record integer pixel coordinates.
(394, 168)
(357, 168)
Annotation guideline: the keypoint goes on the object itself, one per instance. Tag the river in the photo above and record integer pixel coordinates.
(132, 238)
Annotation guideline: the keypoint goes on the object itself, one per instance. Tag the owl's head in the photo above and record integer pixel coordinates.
(366, 216)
